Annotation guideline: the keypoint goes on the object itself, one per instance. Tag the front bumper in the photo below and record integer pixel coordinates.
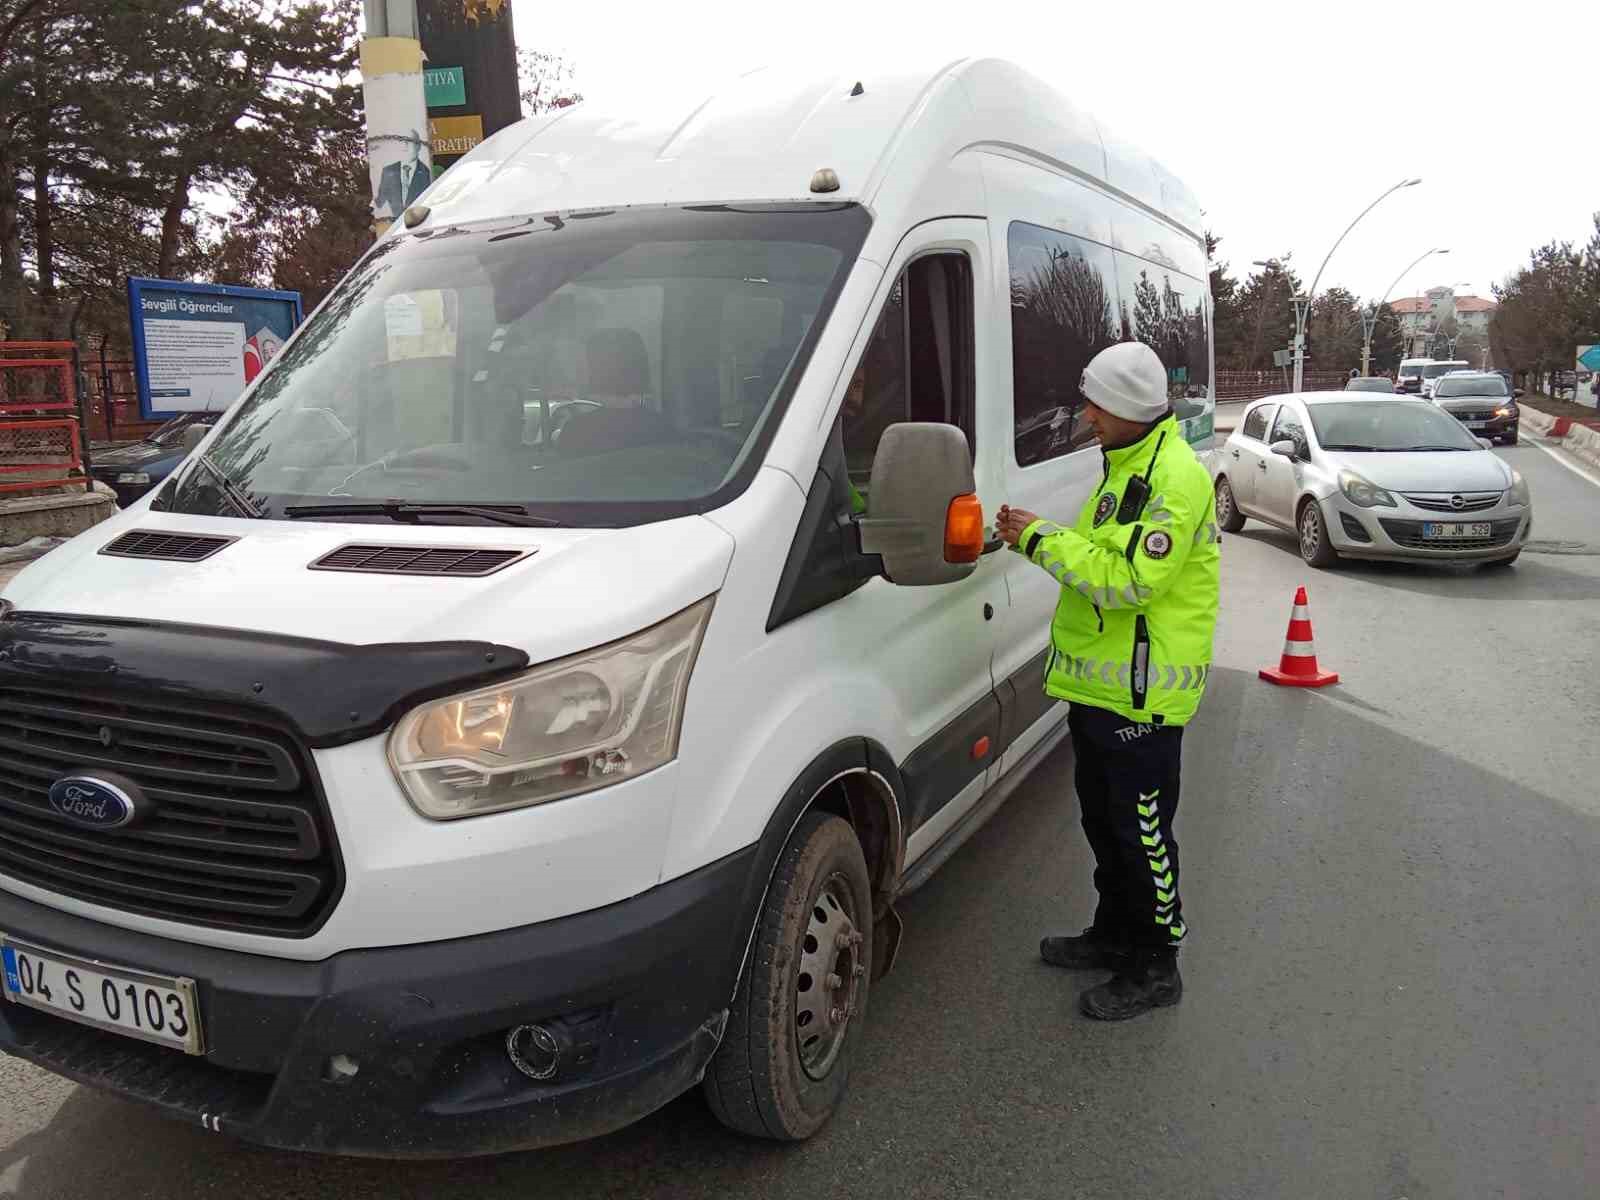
(638, 992)
(1395, 533)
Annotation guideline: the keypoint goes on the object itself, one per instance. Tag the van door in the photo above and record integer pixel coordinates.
(932, 647)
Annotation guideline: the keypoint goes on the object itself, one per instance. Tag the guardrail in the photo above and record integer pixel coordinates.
(39, 435)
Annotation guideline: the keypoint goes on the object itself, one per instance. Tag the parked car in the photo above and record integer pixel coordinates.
(1480, 401)
(1370, 383)
(414, 783)
(134, 469)
(1435, 371)
(1371, 478)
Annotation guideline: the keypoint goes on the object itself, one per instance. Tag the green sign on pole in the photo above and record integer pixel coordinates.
(443, 87)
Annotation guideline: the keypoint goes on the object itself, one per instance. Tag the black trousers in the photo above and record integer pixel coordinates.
(1127, 778)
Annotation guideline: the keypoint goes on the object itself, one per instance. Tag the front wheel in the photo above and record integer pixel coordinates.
(1315, 547)
(785, 1057)
(1228, 514)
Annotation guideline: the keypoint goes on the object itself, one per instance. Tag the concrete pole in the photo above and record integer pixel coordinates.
(397, 112)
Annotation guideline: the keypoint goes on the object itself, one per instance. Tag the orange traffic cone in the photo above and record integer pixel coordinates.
(1298, 666)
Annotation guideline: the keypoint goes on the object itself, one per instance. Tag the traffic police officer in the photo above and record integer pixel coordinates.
(1131, 649)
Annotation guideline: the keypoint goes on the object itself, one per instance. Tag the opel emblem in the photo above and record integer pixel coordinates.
(1457, 502)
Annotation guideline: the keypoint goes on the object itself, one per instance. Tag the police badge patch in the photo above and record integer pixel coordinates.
(1157, 543)
(1103, 510)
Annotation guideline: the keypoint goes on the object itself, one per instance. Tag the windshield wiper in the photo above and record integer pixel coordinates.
(238, 499)
(409, 513)
(1346, 446)
(1415, 449)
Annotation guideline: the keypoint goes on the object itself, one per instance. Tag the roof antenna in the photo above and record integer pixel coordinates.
(858, 90)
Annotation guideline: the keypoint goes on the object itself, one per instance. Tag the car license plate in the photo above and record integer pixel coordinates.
(152, 1008)
(1476, 424)
(1444, 531)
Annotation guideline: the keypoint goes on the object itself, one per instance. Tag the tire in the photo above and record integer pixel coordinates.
(1315, 547)
(1512, 440)
(1228, 514)
(771, 1078)
(1501, 563)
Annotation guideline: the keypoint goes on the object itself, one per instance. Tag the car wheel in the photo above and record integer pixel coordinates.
(1512, 440)
(1499, 563)
(1315, 547)
(785, 1057)
(1228, 514)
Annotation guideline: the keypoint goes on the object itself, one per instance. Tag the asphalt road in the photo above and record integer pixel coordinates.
(1392, 981)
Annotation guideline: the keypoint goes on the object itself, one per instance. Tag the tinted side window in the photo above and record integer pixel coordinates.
(1255, 425)
(918, 363)
(1062, 315)
(1287, 428)
(1166, 311)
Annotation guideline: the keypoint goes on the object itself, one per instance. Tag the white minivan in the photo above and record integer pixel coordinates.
(532, 697)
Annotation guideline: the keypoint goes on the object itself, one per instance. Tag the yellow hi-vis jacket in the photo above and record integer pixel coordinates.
(1132, 630)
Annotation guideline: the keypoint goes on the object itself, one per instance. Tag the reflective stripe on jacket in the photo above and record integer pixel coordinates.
(1132, 631)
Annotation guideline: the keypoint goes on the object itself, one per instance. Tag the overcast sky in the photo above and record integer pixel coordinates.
(1284, 122)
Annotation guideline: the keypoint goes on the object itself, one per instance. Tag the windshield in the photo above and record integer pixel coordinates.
(1434, 370)
(170, 435)
(610, 368)
(1482, 385)
(1411, 370)
(1387, 426)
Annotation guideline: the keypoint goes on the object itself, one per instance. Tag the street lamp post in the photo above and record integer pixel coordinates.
(1367, 327)
(1302, 304)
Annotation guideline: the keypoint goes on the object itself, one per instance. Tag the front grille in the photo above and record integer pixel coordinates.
(1409, 535)
(174, 547)
(1462, 415)
(1444, 501)
(239, 837)
(417, 560)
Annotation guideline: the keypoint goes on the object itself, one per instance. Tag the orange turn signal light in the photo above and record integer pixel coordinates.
(963, 530)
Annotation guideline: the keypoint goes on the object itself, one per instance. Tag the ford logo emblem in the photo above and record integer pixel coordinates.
(96, 801)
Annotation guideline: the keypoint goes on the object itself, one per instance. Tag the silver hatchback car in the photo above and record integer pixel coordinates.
(1371, 477)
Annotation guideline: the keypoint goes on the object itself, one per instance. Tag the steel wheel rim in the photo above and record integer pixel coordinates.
(1224, 500)
(1310, 532)
(827, 984)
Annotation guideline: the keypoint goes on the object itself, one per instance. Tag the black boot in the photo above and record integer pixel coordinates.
(1090, 950)
(1149, 980)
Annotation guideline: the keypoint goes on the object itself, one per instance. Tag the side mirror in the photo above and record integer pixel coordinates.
(1516, 393)
(1285, 448)
(193, 435)
(925, 521)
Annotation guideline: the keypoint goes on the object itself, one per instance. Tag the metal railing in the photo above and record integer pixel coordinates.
(40, 441)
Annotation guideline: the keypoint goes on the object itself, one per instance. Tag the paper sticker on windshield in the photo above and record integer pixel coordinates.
(1157, 543)
(1107, 505)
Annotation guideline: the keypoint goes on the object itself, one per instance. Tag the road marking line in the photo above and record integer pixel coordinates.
(1573, 467)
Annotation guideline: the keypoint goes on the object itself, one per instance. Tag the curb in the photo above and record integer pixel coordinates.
(1577, 440)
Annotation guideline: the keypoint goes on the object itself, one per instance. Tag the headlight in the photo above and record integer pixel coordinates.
(567, 727)
(1368, 495)
(1506, 410)
(133, 477)
(1519, 488)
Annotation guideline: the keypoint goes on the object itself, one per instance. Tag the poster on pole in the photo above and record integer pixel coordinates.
(197, 346)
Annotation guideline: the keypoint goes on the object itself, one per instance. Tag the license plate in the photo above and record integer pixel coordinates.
(1476, 424)
(152, 1008)
(1444, 531)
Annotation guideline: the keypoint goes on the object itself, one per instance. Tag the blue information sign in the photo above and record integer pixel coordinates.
(197, 346)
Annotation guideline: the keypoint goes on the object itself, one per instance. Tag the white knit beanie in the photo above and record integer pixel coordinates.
(1128, 381)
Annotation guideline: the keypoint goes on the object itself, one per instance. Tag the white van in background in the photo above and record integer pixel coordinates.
(1409, 377)
(534, 694)
(1433, 371)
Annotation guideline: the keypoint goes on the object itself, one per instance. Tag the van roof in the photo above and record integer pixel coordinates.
(761, 137)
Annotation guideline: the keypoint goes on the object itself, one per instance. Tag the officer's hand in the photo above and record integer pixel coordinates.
(1010, 522)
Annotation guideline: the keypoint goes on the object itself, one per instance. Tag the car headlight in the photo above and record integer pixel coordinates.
(1359, 491)
(1519, 488)
(1506, 410)
(133, 477)
(567, 727)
